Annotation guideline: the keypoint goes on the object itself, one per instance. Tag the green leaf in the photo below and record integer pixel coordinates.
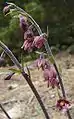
(15, 70)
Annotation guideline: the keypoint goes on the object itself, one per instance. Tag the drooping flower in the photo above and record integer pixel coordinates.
(28, 46)
(38, 41)
(28, 35)
(50, 76)
(6, 9)
(49, 72)
(63, 105)
(41, 62)
(23, 24)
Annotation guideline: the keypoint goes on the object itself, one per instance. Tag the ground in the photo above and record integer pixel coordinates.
(20, 102)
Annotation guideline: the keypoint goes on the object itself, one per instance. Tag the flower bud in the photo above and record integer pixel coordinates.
(23, 24)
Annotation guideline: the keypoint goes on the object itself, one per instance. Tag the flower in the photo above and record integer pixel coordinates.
(6, 9)
(49, 72)
(31, 42)
(41, 62)
(63, 105)
(28, 45)
(50, 76)
(23, 23)
(28, 35)
(38, 41)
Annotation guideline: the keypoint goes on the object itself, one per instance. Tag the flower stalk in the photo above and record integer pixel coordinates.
(26, 76)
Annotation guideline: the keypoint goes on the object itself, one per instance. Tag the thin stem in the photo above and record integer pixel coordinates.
(10, 54)
(26, 14)
(2, 54)
(58, 93)
(15, 61)
(36, 94)
(69, 115)
(5, 111)
(60, 80)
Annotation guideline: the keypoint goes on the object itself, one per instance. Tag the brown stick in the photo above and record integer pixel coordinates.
(5, 111)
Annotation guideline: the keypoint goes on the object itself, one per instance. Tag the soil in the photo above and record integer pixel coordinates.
(19, 101)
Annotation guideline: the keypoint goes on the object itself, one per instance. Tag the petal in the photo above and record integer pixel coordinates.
(28, 46)
(28, 35)
(64, 111)
(23, 24)
(39, 41)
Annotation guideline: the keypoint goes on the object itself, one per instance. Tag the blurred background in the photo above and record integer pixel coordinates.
(58, 15)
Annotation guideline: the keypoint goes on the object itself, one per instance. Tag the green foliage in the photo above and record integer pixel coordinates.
(15, 70)
(35, 10)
